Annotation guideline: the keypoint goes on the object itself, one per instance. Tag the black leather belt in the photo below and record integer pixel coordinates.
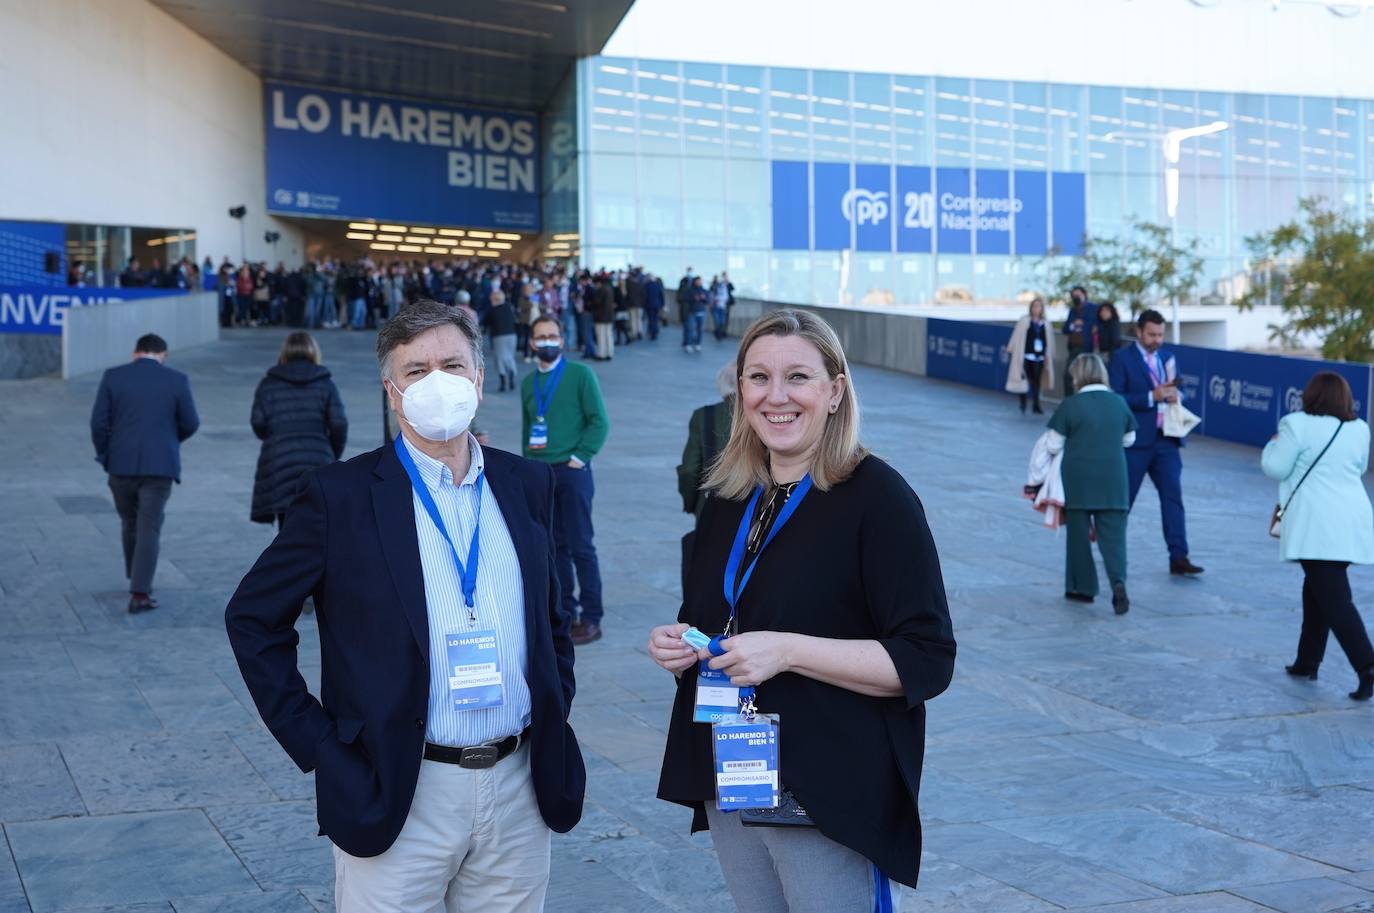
(478, 757)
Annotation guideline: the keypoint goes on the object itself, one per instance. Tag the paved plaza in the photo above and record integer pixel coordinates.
(1156, 763)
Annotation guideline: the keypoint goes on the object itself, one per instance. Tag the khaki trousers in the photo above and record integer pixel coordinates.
(605, 340)
(473, 843)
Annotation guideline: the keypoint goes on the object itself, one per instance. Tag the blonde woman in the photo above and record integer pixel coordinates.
(839, 622)
(1030, 355)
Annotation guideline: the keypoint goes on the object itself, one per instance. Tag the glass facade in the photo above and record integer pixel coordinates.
(677, 165)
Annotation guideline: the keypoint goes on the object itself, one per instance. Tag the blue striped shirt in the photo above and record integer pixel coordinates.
(499, 601)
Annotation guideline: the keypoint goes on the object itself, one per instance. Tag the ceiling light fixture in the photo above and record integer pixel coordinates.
(400, 228)
(359, 235)
(365, 226)
(382, 246)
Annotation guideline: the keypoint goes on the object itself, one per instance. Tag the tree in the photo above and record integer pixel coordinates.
(1320, 268)
(1138, 270)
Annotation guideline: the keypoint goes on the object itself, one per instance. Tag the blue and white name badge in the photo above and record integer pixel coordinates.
(716, 698)
(746, 762)
(539, 435)
(1039, 345)
(474, 667)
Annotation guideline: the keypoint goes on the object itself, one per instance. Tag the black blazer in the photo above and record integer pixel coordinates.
(856, 562)
(142, 413)
(350, 541)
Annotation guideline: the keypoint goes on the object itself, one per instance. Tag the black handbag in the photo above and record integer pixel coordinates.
(789, 813)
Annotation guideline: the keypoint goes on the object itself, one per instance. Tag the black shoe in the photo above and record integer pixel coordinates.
(1038, 411)
(1366, 689)
(1078, 597)
(1182, 567)
(141, 604)
(1298, 670)
(584, 632)
(1121, 604)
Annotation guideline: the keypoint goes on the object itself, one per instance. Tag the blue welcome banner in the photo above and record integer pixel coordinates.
(42, 310)
(347, 155)
(913, 209)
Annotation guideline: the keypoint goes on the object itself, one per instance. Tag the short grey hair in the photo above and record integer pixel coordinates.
(1087, 369)
(419, 317)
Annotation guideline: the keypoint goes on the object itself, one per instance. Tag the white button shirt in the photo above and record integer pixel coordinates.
(499, 601)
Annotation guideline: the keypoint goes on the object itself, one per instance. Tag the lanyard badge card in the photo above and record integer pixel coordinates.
(716, 698)
(474, 665)
(745, 750)
(543, 399)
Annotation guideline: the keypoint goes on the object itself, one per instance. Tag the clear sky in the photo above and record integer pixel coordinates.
(1224, 45)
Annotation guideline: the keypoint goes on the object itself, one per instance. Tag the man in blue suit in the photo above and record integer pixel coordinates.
(142, 413)
(1146, 375)
(442, 753)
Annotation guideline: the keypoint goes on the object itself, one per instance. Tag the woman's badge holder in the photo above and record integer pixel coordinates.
(745, 748)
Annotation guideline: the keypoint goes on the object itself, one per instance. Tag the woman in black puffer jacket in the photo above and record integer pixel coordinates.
(299, 417)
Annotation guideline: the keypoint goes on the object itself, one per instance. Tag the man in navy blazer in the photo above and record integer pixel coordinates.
(440, 742)
(1146, 376)
(142, 413)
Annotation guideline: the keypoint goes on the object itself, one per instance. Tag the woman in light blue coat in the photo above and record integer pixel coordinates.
(1319, 457)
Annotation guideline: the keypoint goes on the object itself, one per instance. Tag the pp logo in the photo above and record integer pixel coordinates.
(964, 349)
(1217, 388)
(864, 207)
(283, 197)
(1292, 400)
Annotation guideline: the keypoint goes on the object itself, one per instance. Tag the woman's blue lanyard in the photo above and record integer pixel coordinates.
(543, 395)
(733, 591)
(466, 572)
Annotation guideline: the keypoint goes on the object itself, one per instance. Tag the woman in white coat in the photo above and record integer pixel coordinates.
(1031, 356)
(1319, 457)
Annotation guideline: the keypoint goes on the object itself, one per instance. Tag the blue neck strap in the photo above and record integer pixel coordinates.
(732, 592)
(543, 394)
(466, 572)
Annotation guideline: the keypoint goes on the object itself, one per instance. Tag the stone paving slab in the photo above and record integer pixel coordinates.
(1157, 763)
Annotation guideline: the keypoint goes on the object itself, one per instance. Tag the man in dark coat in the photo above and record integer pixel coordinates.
(653, 303)
(143, 411)
(440, 741)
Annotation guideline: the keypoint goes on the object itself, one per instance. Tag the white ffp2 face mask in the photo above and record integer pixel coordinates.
(440, 406)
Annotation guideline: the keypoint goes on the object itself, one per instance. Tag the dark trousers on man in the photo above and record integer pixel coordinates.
(1080, 574)
(651, 319)
(575, 555)
(1328, 608)
(1164, 465)
(140, 501)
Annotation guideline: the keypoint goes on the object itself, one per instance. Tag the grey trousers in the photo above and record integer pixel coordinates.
(503, 348)
(140, 501)
(791, 869)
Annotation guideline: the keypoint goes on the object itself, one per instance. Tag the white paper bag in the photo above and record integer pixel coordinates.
(1178, 421)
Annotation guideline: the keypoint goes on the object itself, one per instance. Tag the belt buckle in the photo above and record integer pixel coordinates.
(479, 757)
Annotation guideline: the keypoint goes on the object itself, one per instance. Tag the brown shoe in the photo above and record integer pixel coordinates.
(1183, 567)
(584, 632)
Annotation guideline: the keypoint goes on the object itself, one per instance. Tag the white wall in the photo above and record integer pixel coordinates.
(1230, 45)
(114, 113)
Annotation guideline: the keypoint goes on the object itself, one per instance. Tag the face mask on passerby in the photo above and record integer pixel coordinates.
(548, 350)
(440, 405)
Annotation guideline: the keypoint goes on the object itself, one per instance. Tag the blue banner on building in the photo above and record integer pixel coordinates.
(882, 208)
(42, 310)
(342, 155)
(970, 353)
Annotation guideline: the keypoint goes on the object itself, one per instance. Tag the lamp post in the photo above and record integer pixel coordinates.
(1173, 140)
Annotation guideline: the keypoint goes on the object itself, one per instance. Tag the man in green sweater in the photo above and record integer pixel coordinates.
(565, 425)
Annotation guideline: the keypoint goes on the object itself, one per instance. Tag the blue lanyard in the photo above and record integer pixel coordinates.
(732, 592)
(542, 399)
(468, 572)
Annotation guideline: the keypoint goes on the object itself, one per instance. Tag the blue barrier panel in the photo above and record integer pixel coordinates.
(40, 310)
(970, 353)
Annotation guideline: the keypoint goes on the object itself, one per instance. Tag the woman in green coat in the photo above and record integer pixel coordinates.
(1092, 428)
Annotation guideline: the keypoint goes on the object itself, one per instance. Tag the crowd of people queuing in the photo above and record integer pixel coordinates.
(595, 310)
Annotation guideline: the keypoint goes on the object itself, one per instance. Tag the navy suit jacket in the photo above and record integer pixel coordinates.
(142, 413)
(1130, 377)
(350, 542)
